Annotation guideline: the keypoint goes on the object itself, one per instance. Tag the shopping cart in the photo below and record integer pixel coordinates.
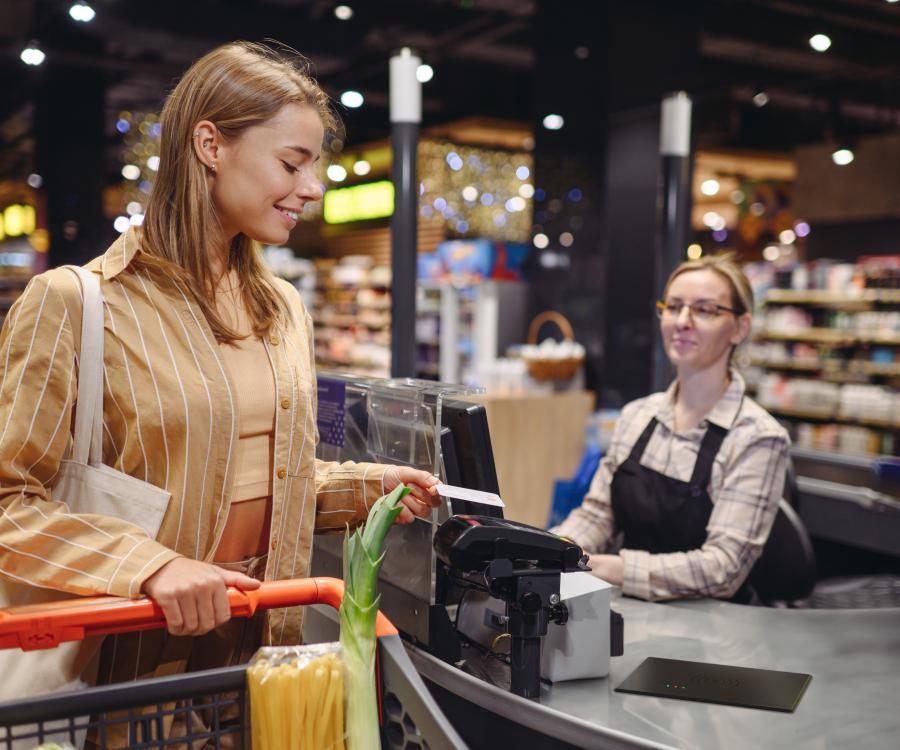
(410, 718)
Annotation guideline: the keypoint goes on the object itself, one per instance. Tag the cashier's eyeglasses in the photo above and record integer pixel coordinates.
(703, 310)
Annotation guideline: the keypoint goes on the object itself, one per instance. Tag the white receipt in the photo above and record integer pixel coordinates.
(473, 496)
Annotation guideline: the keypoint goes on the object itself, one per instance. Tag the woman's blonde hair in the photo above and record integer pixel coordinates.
(725, 266)
(236, 86)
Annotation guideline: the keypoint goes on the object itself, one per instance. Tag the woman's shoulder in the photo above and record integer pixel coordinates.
(754, 419)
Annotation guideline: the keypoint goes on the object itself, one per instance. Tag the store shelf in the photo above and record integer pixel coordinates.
(876, 368)
(832, 298)
(830, 336)
(831, 366)
(801, 365)
(829, 415)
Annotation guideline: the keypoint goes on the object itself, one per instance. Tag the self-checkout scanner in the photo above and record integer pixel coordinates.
(534, 587)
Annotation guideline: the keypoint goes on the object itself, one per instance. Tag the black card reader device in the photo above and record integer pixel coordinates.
(471, 543)
(520, 565)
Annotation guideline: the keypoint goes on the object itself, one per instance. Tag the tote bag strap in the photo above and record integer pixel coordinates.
(87, 445)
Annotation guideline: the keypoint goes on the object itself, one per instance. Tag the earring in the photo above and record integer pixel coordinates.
(197, 134)
(213, 167)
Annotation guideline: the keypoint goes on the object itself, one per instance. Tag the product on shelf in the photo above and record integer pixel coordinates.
(825, 351)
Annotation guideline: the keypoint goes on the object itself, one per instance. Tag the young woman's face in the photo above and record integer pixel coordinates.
(267, 175)
(695, 341)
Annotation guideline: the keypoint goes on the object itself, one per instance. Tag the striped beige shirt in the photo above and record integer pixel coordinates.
(170, 417)
(747, 481)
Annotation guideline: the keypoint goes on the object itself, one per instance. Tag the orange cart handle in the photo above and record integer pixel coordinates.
(41, 626)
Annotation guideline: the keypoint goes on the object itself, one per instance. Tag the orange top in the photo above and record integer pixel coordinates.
(247, 530)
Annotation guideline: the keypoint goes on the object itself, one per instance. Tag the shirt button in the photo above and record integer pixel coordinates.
(285, 403)
(282, 473)
(273, 340)
(274, 544)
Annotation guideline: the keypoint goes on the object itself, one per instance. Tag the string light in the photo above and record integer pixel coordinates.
(82, 12)
(32, 54)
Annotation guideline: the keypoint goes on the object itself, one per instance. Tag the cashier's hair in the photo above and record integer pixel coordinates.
(725, 266)
(235, 86)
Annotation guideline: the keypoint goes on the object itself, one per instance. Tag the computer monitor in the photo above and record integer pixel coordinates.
(467, 454)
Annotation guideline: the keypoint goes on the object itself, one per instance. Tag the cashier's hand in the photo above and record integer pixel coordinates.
(424, 494)
(610, 568)
(193, 596)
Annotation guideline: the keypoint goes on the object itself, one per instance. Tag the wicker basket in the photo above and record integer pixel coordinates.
(552, 369)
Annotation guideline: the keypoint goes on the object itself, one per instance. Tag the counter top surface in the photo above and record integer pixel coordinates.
(852, 655)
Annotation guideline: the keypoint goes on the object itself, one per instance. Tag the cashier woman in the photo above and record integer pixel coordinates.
(683, 501)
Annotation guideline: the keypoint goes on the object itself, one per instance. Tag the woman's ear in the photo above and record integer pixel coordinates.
(741, 329)
(206, 144)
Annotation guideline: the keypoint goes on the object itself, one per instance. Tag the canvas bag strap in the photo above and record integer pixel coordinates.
(87, 445)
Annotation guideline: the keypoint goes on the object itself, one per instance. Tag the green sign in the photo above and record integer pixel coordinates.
(372, 200)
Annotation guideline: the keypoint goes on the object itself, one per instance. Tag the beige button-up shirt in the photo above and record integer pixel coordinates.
(170, 417)
(747, 481)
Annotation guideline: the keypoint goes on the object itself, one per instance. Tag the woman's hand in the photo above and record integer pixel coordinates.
(610, 568)
(424, 494)
(193, 596)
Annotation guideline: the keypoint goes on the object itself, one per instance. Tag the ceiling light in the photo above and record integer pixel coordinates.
(121, 224)
(131, 171)
(760, 99)
(32, 54)
(336, 173)
(343, 12)
(771, 252)
(541, 240)
(424, 73)
(787, 237)
(711, 219)
(35, 180)
(352, 99)
(842, 156)
(82, 12)
(709, 187)
(554, 122)
(694, 251)
(820, 42)
(362, 167)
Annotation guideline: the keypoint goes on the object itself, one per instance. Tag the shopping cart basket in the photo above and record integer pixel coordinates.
(410, 718)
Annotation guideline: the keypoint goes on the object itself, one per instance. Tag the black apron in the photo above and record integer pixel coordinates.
(660, 514)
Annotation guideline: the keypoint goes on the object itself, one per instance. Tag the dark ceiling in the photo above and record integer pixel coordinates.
(483, 54)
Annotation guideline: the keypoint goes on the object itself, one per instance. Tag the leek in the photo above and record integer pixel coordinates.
(362, 560)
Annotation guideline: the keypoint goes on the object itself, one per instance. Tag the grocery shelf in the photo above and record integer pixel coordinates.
(830, 336)
(829, 415)
(829, 297)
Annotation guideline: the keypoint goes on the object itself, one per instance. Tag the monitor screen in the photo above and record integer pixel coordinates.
(467, 453)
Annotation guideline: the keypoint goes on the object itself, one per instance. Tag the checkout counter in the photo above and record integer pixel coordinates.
(852, 655)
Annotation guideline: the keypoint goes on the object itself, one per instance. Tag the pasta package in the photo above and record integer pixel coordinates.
(297, 697)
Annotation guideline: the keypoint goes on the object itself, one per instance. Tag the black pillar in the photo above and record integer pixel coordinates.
(605, 66)
(406, 113)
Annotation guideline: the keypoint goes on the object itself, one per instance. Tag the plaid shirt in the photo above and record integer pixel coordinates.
(746, 484)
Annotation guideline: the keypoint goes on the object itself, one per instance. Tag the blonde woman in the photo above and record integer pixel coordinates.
(209, 383)
(683, 502)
